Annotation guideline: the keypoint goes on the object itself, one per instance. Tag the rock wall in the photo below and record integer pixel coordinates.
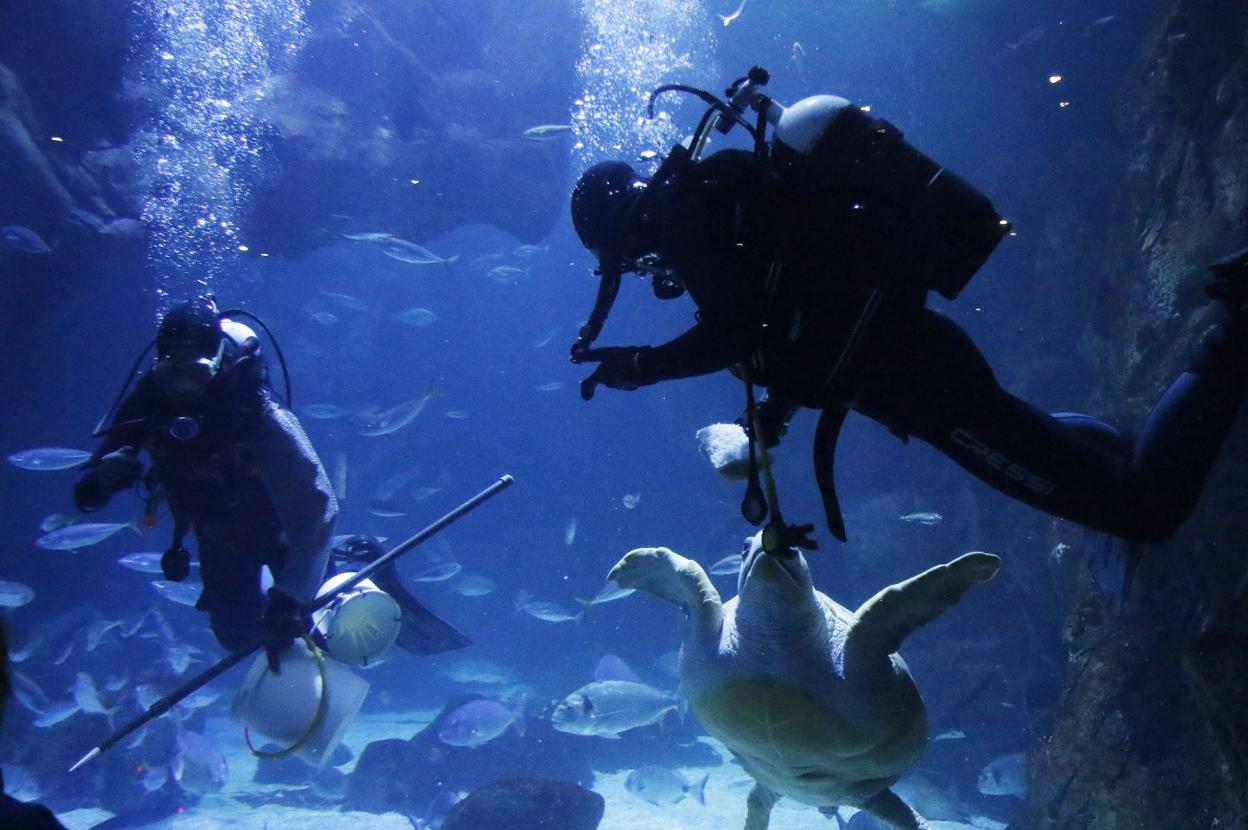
(1152, 729)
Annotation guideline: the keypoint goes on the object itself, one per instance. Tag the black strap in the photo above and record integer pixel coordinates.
(826, 434)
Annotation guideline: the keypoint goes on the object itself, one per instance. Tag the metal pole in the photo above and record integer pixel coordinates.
(172, 699)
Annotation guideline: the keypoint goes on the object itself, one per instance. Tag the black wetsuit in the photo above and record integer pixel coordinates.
(917, 372)
(249, 485)
(19, 815)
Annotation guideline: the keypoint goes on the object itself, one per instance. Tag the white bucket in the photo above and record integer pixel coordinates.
(283, 707)
(361, 625)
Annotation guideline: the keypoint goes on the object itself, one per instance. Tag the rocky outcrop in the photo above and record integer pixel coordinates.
(528, 804)
(1152, 730)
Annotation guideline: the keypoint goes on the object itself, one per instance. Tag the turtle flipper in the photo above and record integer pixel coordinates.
(885, 620)
(758, 807)
(889, 807)
(671, 577)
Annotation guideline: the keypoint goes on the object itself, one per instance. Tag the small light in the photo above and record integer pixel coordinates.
(1063, 104)
(865, 108)
(977, 308)
(1004, 222)
(1013, 233)
(57, 138)
(1055, 79)
(264, 253)
(413, 181)
(242, 249)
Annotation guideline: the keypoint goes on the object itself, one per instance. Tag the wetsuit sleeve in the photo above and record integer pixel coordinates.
(701, 350)
(305, 503)
(128, 429)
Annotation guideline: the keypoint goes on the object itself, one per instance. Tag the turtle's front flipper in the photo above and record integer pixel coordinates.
(758, 807)
(670, 576)
(889, 807)
(885, 620)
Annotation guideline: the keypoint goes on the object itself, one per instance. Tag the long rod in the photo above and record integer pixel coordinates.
(172, 699)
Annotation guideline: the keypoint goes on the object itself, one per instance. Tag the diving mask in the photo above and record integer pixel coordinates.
(181, 372)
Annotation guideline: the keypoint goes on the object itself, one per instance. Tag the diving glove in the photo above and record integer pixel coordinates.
(619, 367)
(175, 564)
(120, 469)
(284, 622)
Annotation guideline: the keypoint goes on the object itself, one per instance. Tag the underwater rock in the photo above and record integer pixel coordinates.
(528, 804)
(406, 776)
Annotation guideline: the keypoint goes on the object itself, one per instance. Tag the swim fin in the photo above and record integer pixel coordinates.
(1112, 562)
(422, 632)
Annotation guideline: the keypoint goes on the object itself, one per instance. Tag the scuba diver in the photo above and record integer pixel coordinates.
(233, 464)
(421, 631)
(809, 261)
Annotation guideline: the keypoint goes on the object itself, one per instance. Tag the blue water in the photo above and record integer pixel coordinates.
(943, 72)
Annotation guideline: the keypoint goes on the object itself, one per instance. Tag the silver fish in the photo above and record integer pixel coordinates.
(660, 785)
(346, 301)
(458, 414)
(545, 611)
(438, 573)
(480, 721)
(1005, 775)
(729, 565)
(28, 693)
(546, 132)
(179, 657)
(198, 766)
(411, 253)
(552, 386)
(631, 500)
(87, 696)
(146, 562)
(608, 707)
(397, 417)
(609, 593)
(97, 630)
(15, 594)
(325, 318)
(477, 670)
(921, 518)
(545, 338)
(81, 536)
(57, 712)
(183, 593)
(506, 274)
(527, 253)
(55, 521)
(736, 13)
(474, 585)
(49, 458)
(21, 238)
(325, 411)
(368, 236)
(569, 531)
(417, 316)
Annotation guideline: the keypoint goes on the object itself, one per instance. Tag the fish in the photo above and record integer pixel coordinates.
(20, 651)
(183, 593)
(506, 274)
(569, 531)
(545, 339)
(96, 632)
(399, 416)
(921, 518)
(340, 475)
(437, 573)
(29, 695)
(385, 509)
(116, 682)
(417, 316)
(411, 253)
(608, 707)
(56, 713)
(552, 386)
(1005, 775)
(346, 300)
(1029, 37)
(660, 785)
(55, 521)
(477, 670)
(49, 458)
(65, 652)
(87, 697)
(131, 623)
(458, 415)
(201, 698)
(15, 594)
(612, 667)
(609, 593)
(73, 537)
(527, 253)
(198, 766)
(951, 733)
(474, 585)
(546, 132)
(325, 411)
(368, 236)
(480, 262)
(545, 611)
(631, 500)
(179, 656)
(22, 238)
(20, 784)
(481, 721)
(419, 494)
(325, 318)
(146, 562)
(1098, 24)
(730, 565)
(736, 13)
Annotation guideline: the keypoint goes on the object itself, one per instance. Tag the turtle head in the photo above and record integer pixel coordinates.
(780, 576)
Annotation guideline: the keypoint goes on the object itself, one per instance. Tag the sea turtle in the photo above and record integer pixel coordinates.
(809, 696)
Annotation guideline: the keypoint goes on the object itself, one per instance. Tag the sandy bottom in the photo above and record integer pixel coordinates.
(726, 792)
